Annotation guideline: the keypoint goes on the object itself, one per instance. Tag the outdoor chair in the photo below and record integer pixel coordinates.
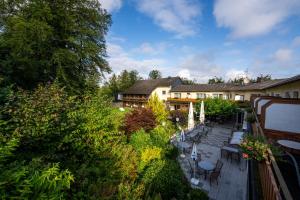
(214, 176)
(191, 169)
(219, 166)
(197, 138)
(236, 156)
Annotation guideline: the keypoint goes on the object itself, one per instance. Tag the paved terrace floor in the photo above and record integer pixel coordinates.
(233, 181)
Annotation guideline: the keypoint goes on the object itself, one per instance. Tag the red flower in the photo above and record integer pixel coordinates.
(245, 155)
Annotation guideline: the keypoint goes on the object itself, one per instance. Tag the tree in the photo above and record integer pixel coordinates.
(188, 82)
(154, 74)
(158, 108)
(41, 41)
(236, 80)
(117, 84)
(216, 80)
(262, 78)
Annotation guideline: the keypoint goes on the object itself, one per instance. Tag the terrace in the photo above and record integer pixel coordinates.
(232, 182)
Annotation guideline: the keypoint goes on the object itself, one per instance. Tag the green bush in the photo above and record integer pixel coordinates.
(140, 140)
(166, 178)
(196, 194)
(218, 107)
(250, 118)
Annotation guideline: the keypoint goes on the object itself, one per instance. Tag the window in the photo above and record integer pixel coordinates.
(220, 96)
(287, 95)
(164, 92)
(225, 96)
(277, 95)
(201, 96)
(177, 95)
(296, 94)
(272, 94)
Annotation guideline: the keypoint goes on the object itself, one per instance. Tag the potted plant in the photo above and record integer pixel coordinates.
(254, 148)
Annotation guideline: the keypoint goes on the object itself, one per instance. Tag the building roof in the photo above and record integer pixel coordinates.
(147, 86)
(219, 87)
(284, 81)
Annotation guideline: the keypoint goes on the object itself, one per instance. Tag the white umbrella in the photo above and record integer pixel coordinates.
(191, 122)
(182, 136)
(194, 152)
(202, 113)
(194, 157)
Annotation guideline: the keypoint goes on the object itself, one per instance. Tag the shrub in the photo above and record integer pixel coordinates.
(158, 108)
(218, 107)
(148, 155)
(196, 194)
(142, 118)
(140, 140)
(166, 178)
(250, 118)
(181, 115)
(160, 135)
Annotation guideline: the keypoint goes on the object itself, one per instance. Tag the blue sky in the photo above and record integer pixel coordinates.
(199, 39)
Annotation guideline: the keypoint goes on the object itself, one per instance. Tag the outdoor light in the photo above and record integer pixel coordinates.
(177, 119)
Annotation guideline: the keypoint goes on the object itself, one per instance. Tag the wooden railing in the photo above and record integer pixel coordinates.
(271, 178)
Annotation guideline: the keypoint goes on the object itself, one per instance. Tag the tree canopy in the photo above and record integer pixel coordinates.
(119, 83)
(215, 80)
(155, 74)
(43, 41)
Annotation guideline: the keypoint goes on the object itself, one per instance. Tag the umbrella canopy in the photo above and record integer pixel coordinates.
(191, 122)
(182, 135)
(194, 152)
(202, 113)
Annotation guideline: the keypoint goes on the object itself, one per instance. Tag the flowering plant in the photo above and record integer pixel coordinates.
(254, 148)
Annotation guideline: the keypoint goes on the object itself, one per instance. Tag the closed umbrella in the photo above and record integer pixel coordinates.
(182, 136)
(191, 122)
(194, 152)
(202, 113)
(194, 157)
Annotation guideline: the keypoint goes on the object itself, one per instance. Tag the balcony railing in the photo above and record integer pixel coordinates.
(136, 99)
(273, 184)
(183, 100)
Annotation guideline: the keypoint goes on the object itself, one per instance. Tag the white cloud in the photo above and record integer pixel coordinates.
(177, 16)
(200, 67)
(119, 59)
(253, 17)
(296, 41)
(151, 49)
(184, 73)
(236, 73)
(283, 55)
(111, 5)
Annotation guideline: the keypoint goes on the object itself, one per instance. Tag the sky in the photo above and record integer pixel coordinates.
(200, 39)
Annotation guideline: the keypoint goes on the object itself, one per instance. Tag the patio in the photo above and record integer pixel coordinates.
(232, 182)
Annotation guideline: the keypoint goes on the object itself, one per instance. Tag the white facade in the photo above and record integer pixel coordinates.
(283, 117)
(163, 93)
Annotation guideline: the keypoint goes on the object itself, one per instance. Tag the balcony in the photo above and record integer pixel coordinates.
(135, 99)
(182, 100)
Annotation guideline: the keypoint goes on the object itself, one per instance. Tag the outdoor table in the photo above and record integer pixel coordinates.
(293, 145)
(206, 166)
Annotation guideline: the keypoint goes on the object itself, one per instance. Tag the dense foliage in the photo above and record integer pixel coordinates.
(217, 107)
(119, 83)
(254, 148)
(158, 107)
(182, 116)
(56, 146)
(141, 118)
(41, 41)
(155, 74)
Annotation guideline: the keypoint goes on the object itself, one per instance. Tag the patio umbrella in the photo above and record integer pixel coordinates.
(182, 135)
(191, 122)
(202, 113)
(194, 158)
(194, 152)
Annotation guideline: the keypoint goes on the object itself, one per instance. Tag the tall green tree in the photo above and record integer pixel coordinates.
(215, 80)
(262, 78)
(121, 82)
(155, 74)
(44, 40)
